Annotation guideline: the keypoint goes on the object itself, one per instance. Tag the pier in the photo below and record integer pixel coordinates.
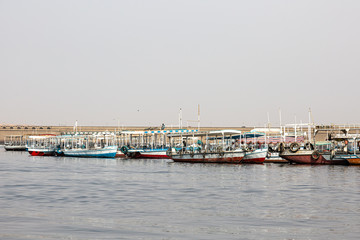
(27, 130)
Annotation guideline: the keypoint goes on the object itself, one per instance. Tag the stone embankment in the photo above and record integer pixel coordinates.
(6, 130)
(57, 130)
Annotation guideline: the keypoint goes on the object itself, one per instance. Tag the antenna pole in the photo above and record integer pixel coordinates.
(180, 119)
(280, 121)
(198, 117)
(309, 126)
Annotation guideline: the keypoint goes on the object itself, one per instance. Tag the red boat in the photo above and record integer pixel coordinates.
(42, 152)
(312, 157)
(43, 145)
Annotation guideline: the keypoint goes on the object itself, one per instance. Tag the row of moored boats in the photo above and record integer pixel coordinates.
(183, 145)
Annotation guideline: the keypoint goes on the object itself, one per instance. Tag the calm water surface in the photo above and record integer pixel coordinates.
(77, 198)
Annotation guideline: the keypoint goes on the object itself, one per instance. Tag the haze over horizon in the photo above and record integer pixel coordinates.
(136, 63)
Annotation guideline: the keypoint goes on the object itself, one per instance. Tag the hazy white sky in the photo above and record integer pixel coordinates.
(138, 62)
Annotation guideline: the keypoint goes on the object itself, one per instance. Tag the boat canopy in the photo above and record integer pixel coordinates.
(225, 133)
(172, 131)
(42, 136)
(241, 136)
(266, 130)
(342, 137)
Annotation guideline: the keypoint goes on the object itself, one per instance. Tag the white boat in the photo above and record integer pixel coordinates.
(42, 145)
(105, 152)
(98, 146)
(15, 143)
(146, 144)
(219, 147)
(256, 156)
(154, 153)
(274, 157)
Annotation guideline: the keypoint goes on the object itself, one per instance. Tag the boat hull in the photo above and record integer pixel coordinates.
(120, 154)
(15, 148)
(351, 158)
(107, 152)
(154, 154)
(354, 161)
(132, 154)
(232, 157)
(273, 157)
(306, 157)
(41, 152)
(258, 156)
(141, 153)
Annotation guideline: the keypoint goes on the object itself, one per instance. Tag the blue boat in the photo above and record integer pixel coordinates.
(89, 146)
(105, 152)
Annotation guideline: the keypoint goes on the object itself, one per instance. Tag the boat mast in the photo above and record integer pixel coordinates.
(75, 127)
(198, 117)
(180, 119)
(309, 126)
(295, 128)
(281, 132)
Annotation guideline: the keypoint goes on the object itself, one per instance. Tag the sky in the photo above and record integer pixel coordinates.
(136, 63)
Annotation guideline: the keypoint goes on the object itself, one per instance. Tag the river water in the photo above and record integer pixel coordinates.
(78, 198)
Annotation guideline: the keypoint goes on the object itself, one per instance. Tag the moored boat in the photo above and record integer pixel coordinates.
(347, 146)
(146, 144)
(90, 146)
(105, 152)
(15, 143)
(334, 151)
(312, 157)
(154, 153)
(353, 159)
(256, 156)
(273, 157)
(219, 147)
(307, 154)
(220, 156)
(42, 145)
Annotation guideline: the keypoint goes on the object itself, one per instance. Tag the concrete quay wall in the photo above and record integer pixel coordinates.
(57, 130)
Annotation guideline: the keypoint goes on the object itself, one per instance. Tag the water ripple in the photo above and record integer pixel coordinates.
(74, 198)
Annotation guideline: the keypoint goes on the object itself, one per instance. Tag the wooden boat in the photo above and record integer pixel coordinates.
(347, 146)
(89, 146)
(219, 147)
(15, 143)
(152, 153)
(307, 154)
(312, 157)
(334, 151)
(353, 159)
(158, 153)
(220, 156)
(256, 156)
(265, 141)
(273, 157)
(104, 152)
(146, 144)
(42, 145)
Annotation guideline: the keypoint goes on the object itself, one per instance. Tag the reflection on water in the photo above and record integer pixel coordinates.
(77, 198)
